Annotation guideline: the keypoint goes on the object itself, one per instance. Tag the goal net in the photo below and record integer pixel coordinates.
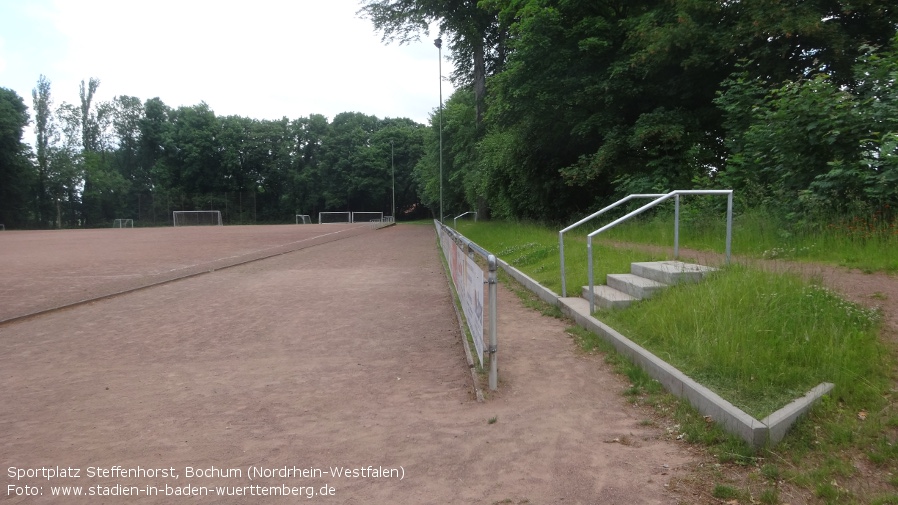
(196, 218)
(303, 219)
(334, 217)
(367, 217)
(123, 223)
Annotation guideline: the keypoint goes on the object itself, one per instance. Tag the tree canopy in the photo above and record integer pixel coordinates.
(127, 158)
(15, 167)
(787, 102)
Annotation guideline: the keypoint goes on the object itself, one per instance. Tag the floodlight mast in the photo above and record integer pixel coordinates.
(393, 170)
(439, 43)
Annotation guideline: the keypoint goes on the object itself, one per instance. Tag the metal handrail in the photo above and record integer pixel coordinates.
(455, 219)
(675, 194)
(587, 219)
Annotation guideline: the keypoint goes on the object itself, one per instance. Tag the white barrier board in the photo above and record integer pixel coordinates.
(468, 279)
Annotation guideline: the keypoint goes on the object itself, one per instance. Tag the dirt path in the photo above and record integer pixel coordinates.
(342, 355)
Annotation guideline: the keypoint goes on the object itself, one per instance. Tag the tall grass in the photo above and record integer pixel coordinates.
(868, 242)
(759, 339)
(534, 249)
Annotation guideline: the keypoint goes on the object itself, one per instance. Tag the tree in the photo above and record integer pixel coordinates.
(16, 173)
(399, 144)
(813, 144)
(90, 119)
(154, 138)
(126, 114)
(45, 132)
(67, 166)
(561, 114)
(476, 37)
(105, 189)
(616, 97)
(348, 170)
(461, 189)
(124, 158)
(193, 163)
(307, 140)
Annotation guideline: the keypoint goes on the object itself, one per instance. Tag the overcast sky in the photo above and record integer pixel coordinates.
(262, 59)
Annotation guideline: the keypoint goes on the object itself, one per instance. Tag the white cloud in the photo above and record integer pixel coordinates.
(2, 54)
(263, 59)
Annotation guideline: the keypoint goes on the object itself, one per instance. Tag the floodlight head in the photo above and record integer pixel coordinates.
(438, 42)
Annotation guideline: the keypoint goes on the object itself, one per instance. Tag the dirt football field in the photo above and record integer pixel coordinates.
(294, 364)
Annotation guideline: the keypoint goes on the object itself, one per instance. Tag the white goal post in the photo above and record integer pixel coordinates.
(196, 218)
(303, 219)
(334, 217)
(123, 223)
(367, 217)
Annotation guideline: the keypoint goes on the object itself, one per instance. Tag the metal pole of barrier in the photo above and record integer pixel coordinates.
(592, 296)
(561, 253)
(677, 227)
(493, 287)
(729, 225)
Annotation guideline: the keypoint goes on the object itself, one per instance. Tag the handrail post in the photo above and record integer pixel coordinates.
(592, 295)
(561, 250)
(586, 219)
(729, 225)
(494, 364)
(677, 226)
(660, 198)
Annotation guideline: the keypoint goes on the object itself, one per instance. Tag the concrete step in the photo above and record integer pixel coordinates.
(670, 272)
(576, 304)
(634, 285)
(607, 297)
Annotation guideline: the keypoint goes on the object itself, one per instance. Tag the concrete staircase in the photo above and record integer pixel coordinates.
(643, 281)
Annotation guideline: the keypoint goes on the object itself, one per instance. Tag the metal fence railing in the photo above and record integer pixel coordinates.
(455, 219)
(470, 249)
(653, 203)
(586, 220)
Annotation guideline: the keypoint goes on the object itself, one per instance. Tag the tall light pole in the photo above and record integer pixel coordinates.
(393, 170)
(439, 43)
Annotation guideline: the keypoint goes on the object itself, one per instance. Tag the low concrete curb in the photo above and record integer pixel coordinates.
(758, 434)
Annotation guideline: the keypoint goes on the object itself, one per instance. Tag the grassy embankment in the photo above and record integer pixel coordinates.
(757, 338)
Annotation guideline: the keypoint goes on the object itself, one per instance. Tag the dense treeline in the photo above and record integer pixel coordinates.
(560, 107)
(792, 104)
(96, 162)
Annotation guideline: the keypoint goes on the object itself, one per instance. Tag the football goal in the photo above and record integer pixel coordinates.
(334, 217)
(196, 218)
(367, 217)
(303, 219)
(123, 223)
